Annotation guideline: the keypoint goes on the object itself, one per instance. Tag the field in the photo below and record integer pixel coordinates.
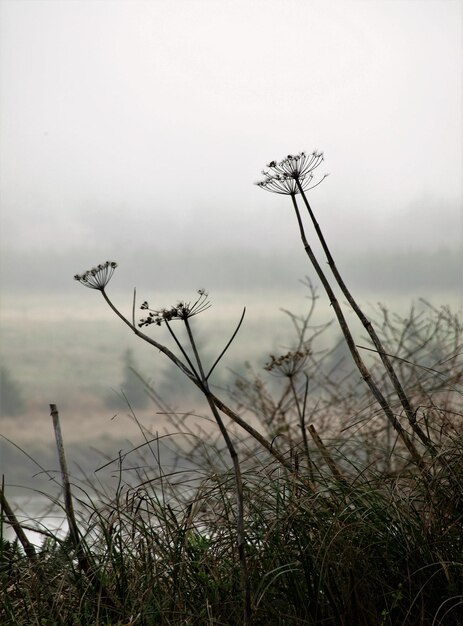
(316, 480)
(341, 527)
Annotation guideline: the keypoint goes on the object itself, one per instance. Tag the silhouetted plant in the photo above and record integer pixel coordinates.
(293, 176)
(98, 278)
(334, 522)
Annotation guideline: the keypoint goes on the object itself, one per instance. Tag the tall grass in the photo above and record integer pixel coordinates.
(366, 549)
(325, 494)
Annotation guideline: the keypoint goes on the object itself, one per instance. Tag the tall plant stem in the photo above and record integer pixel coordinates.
(410, 413)
(245, 583)
(221, 406)
(353, 349)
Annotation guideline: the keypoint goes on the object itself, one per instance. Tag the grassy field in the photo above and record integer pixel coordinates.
(319, 484)
(344, 528)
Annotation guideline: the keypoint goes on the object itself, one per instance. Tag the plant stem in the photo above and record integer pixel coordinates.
(353, 349)
(68, 504)
(148, 339)
(301, 415)
(29, 548)
(217, 402)
(74, 535)
(410, 413)
(245, 582)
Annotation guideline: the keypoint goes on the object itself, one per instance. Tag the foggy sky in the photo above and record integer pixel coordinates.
(130, 127)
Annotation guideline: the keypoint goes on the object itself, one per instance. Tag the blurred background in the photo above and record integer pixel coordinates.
(134, 130)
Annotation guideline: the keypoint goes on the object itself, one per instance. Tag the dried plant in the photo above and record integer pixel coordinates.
(327, 513)
(293, 176)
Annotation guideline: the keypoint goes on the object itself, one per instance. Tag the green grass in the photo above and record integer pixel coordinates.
(369, 548)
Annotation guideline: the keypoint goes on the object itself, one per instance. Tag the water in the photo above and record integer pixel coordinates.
(36, 511)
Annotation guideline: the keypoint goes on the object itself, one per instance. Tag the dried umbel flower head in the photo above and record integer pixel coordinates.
(98, 277)
(181, 311)
(283, 176)
(288, 364)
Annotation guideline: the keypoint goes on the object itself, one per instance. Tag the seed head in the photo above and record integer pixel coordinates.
(98, 277)
(282, 177)
(289, 364)
(181, 311)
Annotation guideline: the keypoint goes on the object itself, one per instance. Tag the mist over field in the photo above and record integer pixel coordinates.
(134, 131)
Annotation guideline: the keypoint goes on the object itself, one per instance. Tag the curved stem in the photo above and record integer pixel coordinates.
(225, 409)
(216, 362)
(154, 343)
(182, 350)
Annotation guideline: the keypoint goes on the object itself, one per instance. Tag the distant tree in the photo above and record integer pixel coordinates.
(338, 363)
(131, 388)
(11, 400)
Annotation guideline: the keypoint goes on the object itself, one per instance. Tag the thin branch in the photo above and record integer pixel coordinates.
(182, 350)
(133, 305)
(29, 548)
(216, 362)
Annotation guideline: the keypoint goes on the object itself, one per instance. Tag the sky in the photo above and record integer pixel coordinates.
(135, 131)
(140, 127)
